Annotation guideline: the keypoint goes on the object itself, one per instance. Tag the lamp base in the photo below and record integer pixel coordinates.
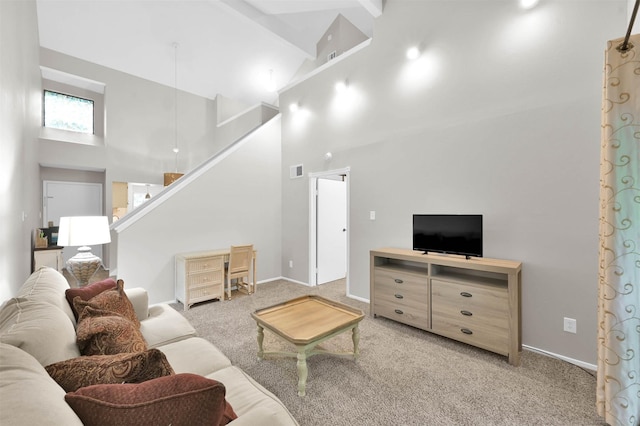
(83, 265)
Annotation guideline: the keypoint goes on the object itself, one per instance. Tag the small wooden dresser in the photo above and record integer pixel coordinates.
(199, 277)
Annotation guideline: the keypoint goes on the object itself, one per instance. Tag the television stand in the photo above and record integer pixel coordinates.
(472, 300)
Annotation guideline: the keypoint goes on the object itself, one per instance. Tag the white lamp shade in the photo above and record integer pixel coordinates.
(83, 231)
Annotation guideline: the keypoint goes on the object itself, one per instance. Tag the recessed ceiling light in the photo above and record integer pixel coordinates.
(528, 4)
(413, 53)
(341, 86)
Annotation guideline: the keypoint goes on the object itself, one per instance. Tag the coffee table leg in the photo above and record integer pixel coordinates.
(355, 336)
(302, 371)
(260, 340)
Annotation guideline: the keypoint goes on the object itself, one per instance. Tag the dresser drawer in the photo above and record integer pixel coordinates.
(204, 278)
(404, 314)
(473, 297)
(400, 279)
(482, 336)
(194, 266)
(473, 314)
(199, 294)
(416, 297)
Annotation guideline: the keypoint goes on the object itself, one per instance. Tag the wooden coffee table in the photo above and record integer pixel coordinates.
(305, 322)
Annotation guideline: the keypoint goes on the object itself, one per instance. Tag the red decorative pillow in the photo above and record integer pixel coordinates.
(180, 400)
(79, 372)
(112, 300)
(89, 291)
(103, 332)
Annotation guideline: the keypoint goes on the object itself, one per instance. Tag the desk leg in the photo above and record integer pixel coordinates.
(302, 371)
(253, 284)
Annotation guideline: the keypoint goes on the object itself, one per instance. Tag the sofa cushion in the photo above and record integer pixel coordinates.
(103, 332)
(113, 300)
(165, 325)
(39, 328)
(88, 292)
(139, 299)
(29, 396)
(251, 401)
(47, 285)
(139, 367)
(181, 399)
(195, 355)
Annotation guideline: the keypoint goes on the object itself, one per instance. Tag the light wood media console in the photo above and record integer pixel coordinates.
(475, 301)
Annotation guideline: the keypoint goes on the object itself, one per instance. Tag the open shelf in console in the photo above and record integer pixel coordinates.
(401, 265)
(462, 275)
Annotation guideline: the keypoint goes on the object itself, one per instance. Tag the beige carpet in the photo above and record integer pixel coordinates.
(404, 376)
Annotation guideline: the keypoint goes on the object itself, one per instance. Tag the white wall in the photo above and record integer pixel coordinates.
(20, 104)
(235, 202)
(503, 119)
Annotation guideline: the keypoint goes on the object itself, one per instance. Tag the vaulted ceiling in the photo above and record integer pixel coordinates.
(206, 47)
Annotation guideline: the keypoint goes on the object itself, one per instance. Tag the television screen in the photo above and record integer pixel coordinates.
(448, 233)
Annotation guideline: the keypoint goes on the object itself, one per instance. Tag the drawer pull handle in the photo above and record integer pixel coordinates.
(466, 313)
(398, 281)
(465, 294)
(399, 296)
(466, 331)
(399, 312)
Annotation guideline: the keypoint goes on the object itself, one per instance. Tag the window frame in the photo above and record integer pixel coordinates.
(77, 87)
(59, 92)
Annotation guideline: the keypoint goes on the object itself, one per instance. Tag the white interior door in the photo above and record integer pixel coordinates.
(331, 230)
(71, 199)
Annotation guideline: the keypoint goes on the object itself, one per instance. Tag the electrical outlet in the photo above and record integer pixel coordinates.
(372, 215)
(291, 264)
(570, 325)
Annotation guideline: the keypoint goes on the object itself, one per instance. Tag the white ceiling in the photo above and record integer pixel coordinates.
(225, 47)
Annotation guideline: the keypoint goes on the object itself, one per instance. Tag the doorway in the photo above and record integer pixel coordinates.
(329, 227)
(71, 199)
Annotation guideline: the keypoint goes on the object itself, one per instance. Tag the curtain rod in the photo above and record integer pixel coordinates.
(625, 44)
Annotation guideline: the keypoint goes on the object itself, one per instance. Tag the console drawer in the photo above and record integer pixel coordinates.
(404, 314)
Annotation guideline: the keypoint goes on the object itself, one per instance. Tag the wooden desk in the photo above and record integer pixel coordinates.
(200, 276)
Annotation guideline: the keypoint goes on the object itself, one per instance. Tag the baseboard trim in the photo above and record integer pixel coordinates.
(291, 280)
(576, 362)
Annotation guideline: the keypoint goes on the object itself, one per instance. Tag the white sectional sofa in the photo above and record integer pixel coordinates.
(38, 328)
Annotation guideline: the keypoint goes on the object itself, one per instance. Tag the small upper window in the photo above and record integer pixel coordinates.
(68, 112)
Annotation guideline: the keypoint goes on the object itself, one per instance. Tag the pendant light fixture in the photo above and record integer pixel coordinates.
(171, 177)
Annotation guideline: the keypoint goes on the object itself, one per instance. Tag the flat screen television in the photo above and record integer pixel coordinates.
(448, 233)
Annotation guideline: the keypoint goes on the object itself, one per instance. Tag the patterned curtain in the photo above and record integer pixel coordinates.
(618, 383)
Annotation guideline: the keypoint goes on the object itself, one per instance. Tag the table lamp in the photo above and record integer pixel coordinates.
(83, 231)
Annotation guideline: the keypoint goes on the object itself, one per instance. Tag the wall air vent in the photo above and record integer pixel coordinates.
(295, 171)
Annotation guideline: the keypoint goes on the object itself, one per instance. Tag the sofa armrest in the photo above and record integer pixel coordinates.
(140, 300)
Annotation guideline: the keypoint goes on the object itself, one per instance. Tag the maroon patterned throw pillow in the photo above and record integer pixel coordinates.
(179, 400)
(82, 371)
(87, 292)
(113, 300)
(103, 332)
